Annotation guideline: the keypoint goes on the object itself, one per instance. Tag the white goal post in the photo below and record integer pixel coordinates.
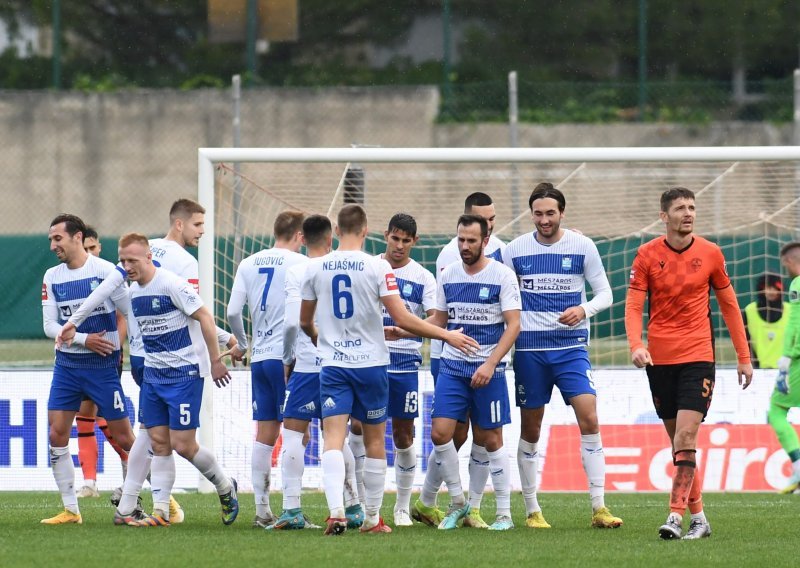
(432, 182)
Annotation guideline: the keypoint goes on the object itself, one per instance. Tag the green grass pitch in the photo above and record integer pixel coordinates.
(748, 530)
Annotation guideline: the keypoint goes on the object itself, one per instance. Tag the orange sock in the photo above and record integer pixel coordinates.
(696, 493)
(87, 447)
(123, 455)
(682, 479)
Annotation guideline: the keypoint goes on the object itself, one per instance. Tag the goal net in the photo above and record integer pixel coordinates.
(747, 202)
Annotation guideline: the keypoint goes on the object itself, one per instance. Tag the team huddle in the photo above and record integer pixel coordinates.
(337, 336)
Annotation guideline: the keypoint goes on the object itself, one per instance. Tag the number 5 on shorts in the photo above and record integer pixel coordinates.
(186, 414)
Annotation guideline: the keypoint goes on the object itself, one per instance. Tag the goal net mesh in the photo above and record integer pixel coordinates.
(749, 208)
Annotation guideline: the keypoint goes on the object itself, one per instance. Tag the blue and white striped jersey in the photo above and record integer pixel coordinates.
(476, 303)
(447, 256)
(298, 346)
(418, 290)
(553, 278)
(259, 283)
(162, 308)
(64, 291)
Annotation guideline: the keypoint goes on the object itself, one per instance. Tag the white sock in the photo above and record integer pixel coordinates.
(796, 468)
(207, 464)
(350, 483)
(528, 463)
(432, 483)
(374, 483)
(333, 482)
(360, 454)
(594, 464)
(405, 468)
(500, 468)
(478, 475)
(292, 467)
(261, 467)
(447, 456)
(64, 474)
(162, 479)
(89, 482)
(701, 516)
(140, 457)
(124, 465)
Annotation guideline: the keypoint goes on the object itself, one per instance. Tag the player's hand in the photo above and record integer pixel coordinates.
(572, 316)
(464, 343)
(97, 343)
(745, 373)
(784, 363)
(287, 372)
(220, 373)
(66, 335)
(235, 353)
(641, 358)
(393, 333)
(482, 376)
(782, 382)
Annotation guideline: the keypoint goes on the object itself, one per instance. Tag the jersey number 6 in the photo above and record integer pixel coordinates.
(340, 288)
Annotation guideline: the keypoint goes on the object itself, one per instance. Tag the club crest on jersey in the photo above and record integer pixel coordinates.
(66, 311)
(566, 263)
(155, 304)
(528, 284)
(793, 295)
(484, 293)
(391, 282)
(94, 284)
(697, 264)
(407, 289)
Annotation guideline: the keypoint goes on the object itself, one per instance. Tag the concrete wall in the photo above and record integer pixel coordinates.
(120, 159)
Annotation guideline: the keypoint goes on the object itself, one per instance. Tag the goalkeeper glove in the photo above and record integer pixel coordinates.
(782, 382)
(783, 364)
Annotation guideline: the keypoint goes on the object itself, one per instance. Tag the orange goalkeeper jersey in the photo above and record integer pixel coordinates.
(678, 283)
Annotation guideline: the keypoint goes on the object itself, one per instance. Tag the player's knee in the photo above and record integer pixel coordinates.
(441, 436)
(685, 438)
(185, 448)
(492, 440)
(402, 438)
(58, 437)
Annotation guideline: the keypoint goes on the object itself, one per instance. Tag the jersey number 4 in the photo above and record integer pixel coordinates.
(342, 297)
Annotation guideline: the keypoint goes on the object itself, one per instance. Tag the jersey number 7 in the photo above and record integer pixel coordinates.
(270, 272)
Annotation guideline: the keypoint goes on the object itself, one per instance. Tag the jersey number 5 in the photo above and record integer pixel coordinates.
(340, 287)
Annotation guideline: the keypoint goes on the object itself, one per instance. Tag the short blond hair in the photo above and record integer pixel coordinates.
(130, 238)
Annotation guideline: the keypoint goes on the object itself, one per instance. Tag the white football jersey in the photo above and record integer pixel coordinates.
(447, 256)
(304, 352)
(417, 288)
(260, 279)
(172, 256)
(348, 287)
(476, 303)
(162, 308)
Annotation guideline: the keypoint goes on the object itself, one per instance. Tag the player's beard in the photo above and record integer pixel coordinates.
(549, 231)
(472, 257)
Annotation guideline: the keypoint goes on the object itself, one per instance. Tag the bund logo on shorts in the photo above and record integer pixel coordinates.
(373, 414)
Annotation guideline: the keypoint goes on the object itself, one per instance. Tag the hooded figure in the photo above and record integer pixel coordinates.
(765, 321)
